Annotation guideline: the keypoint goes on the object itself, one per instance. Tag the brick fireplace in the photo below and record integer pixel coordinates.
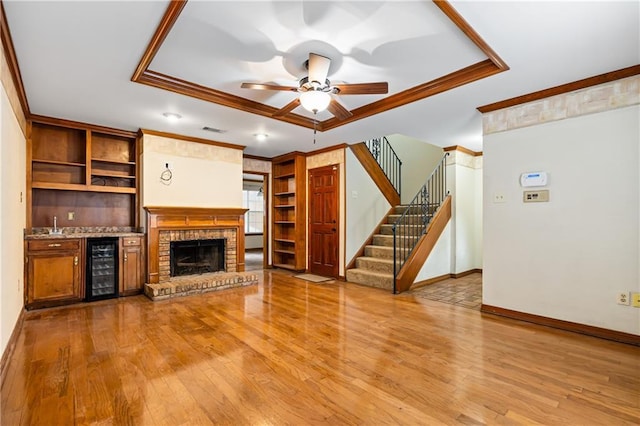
(167, 224)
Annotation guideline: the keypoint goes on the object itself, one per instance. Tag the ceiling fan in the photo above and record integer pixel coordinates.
(316, 90)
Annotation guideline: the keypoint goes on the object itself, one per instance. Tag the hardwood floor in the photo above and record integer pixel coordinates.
(292, 352)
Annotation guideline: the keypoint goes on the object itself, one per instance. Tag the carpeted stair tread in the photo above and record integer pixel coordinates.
(387, 229)
(370, 278)
(375, 264)
(387, 240)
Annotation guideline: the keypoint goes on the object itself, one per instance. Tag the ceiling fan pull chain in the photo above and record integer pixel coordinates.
(314, 127)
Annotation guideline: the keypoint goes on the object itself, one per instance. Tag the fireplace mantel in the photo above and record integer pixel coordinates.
(190, 218)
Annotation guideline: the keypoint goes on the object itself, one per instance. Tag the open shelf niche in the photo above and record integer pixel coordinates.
(84, 175)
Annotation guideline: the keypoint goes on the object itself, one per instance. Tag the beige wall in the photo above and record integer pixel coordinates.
(202, 175)
(12, 209)
(419, 159)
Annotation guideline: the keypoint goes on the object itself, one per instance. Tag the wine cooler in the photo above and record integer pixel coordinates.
(102, 268)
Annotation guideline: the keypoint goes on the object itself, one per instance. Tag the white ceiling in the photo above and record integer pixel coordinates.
(77, 59)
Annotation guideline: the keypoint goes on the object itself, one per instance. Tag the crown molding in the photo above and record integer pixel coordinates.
(143, 75)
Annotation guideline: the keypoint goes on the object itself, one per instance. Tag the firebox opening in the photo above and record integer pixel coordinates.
(197, 257)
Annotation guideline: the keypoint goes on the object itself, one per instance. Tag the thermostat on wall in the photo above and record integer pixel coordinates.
(533, 179)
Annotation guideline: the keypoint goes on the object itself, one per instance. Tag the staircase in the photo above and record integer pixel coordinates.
(375, 268)
(403, 242)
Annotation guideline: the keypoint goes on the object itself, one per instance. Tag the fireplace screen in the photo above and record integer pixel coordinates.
(197, 257)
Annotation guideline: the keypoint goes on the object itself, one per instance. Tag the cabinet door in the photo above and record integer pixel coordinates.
(54, 277)
(131, 270)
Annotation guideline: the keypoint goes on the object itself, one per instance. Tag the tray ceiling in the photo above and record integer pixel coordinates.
(77, 59)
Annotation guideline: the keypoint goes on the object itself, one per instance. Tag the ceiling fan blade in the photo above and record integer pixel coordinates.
(262, 86)
(338, 110)
(287, 108)
(318, 68)
(363, 88)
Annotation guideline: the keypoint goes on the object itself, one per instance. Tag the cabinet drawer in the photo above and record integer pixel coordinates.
(57, 244)
(131, 241)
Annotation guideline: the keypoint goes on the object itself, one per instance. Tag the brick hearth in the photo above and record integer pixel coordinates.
(166, 224)
(198, 284)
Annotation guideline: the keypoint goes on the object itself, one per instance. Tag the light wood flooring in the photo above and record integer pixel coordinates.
(292, 352)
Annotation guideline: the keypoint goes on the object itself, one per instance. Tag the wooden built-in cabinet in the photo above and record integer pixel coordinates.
(131, 265)
(87, 177)
(83, 175)
(54, 272)
(289, 217)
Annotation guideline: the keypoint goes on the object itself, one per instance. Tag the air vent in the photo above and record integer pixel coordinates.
(213, 129)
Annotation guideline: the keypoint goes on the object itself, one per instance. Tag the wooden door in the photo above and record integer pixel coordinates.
(323, 221)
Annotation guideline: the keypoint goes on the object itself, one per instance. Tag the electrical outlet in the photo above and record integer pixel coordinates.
(71, 215)
(499, 198)
(635, 300)
(623, 298)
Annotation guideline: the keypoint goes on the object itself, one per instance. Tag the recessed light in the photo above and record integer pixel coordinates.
(172, 116)
(261, 136)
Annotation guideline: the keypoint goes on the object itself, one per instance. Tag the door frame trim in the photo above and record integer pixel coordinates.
(266, 226)
(336, 167)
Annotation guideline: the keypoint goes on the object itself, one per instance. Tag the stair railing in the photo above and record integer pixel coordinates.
(387, 159)
(415, 219)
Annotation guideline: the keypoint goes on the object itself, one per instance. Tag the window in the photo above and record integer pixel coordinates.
(253, 200)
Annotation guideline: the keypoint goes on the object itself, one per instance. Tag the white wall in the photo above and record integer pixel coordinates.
(365, 205)
(12, 218)
(466, 206)
(439, 261)
(418, 161)
(478, 210)
(568, 258)
(253, 242)
(203, 175)
(459, 248)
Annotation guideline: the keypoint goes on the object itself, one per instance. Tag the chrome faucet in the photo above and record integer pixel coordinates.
(55, 230)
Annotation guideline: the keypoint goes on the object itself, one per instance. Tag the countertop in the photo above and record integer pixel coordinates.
(83, 235)
(84, 232)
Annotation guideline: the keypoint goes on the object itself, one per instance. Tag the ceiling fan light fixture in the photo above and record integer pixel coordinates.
(315, 100)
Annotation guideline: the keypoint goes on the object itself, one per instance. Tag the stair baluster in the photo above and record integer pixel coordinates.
(387, 159)
(413, 223)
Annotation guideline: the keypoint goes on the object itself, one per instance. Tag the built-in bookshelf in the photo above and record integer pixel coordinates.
(289, 218)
